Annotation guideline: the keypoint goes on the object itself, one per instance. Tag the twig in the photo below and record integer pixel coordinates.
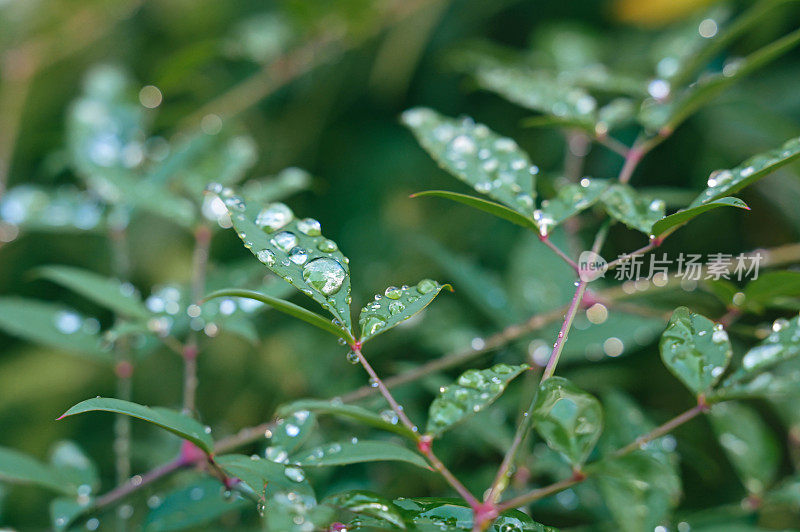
(202, 238)
(547, 242)
(137, 483)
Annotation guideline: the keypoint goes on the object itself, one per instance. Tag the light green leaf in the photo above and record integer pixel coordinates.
(569, 201)
(109, 293)
(285, 183)
(367, 503)
(285, 307)
(668, 224)
(52, 325)
(725, 182)
(750, 444)
(357, 413)
(625, 204)
(175, 422)
(65, 209)
(695, 350)
(472, 392)
(295, 250)
(770, 287)
(191, 506)
(21, 468)
(491, 164)
(569, 419)
(356, 452)
(482, 205)
(638, 489)
(64, 512)
(288, 434)
(266, 477)
(781, 345)
(396, 305)
(74, 465)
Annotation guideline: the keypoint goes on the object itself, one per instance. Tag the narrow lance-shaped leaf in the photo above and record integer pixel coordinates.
(362, 415)
(357, 451)
(669, 224)
(64, 512)
(367, 503)
(472, 392)
(52, 325)
(626, 205)
(569, 419)
(175, 422)
(724, 182)
(295, 250)
(749, 443)
(482, 205)
(110, 293)
(568, 201)
(286, 307)
(192, 506)
(695, 350)
(19, 467)
(491, 164)
(395, 306)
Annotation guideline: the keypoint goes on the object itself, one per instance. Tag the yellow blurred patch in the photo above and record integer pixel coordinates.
(655, 12)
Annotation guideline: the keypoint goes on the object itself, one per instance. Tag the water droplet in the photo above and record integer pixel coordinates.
(396, 307)
(352, 357)
(68, 322)
(393, 292)
(298, 255)
(274, 216)
(425, 286)
(371, 323)
(266, 256)
(327, 246)
(325, 275)
(309, 226)
(390, 416)
(285, 240)
(294, 473)
(292, 430)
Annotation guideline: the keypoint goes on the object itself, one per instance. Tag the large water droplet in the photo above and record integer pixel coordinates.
(325, 275)
(327, 246)
(285, 240)
(266, 256)
(309, 226)
(393, 292)
(294, 473)
(274, 216)
(425, 286)
(298, 255)
(68, 322)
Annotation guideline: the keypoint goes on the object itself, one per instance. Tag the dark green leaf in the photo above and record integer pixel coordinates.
(491, 164)
(670, 223)
(109, 293)
(569, 419)
(19, 467)
(749, 443)
(286, 512)
(472, 392)
(626, 205)
(191, 506)
(455, 514)
(174, 422)
(482, 205)
(395, 306)
(355, 452)
(367, 503)
(64, 512)
(569, 201)
(781, 345)
(285, 307)
(52, 325)
(771, 286)
(695, 350)
(357, 413)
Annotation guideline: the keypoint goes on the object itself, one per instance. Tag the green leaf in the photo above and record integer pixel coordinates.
(357, 413)
(367, 503)
(74, 465)
(65, 209)
(638, 489)
(482, 205)
(109, 293)
(491, 164)
(625, 204)
(266, 477)
(569, 419)
(668, 224)
(295, 250)
(179, 424)
(21, 468)
(287, 512)
(288, 434)
(64, 512)
(750, 444)
(725, 182)
(781, 345)
(191, 506)
(395, 306)
(770, 287)
(356, 452)
(285, 307)
(52, 325)
(569, 201)
(285, 183)
(435, 513)
(472, 392)
(695, 350)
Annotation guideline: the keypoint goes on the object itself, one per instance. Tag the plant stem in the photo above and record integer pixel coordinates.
(653, 244)
(136, 483)
(202, 239)
(547, 242)
(376, 382)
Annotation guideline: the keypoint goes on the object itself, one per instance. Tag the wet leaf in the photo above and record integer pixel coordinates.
(356, 413)
(569, 201)
(356, 452)
(569, 419)
(52, 325)
(73, 464)
(64, 512)
(750, 444)
(472, 392)
(724, 182)
(367, 503)
(770, 287)
(180, 425)
(295, 250)
(695, 350)
(266, 477)
(193, 505)
(638, 489)
(288, 434)
(285, 307)
(21, 468)
(491, 164)
(781, 345)
(455, 514)
(396, 305)
(482, 205)
(109, 293)
(285, 511)
(625, 204)
(668, 224)
(64, 209)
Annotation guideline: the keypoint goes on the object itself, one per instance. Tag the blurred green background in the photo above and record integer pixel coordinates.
(320, 85)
